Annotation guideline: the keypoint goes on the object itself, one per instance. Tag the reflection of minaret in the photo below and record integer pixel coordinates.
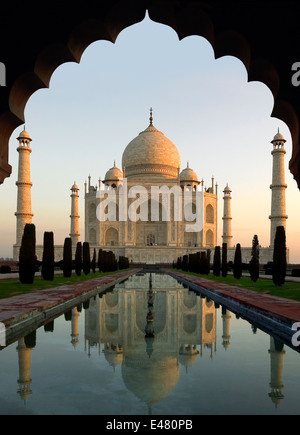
(227, 237)
(74, 326)
(276, 352)
(226, 327)
(23, 213)
(278, 215)
(24, 381)
(149, 329)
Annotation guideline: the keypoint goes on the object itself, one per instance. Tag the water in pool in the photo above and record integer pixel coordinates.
(149, 346)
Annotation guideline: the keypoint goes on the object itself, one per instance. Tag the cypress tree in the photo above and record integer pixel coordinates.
(67, 258)
(224, 260)
(279, 257)
(184, 265)
(202, 263)
(100, 260)
(48, 257)
(93, 263)
(254, 262)
(27, 257)
(217, 261)
(104, 261)
(237, 265)
(207, 262)
(78, 259)
(192, 262)
(86, 262)
(122, 262)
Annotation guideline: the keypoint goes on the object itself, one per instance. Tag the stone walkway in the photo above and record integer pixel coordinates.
(17, 309)
(284, 309)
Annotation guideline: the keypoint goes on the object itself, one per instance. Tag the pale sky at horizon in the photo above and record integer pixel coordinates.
(219, 122)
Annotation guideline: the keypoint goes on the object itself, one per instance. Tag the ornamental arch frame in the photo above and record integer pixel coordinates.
(260, 34)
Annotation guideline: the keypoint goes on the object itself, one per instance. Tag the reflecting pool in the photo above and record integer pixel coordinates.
(149, 346)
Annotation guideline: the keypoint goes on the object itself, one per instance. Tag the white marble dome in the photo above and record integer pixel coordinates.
(151, 152)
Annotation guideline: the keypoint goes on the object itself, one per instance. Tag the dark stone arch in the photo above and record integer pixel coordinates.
(263, 35)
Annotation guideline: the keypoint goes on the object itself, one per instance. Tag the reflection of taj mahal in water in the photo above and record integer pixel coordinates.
(184, 330)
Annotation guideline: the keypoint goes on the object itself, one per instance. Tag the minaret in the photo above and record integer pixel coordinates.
(227, 237)
(74, 232)
(23, 213)
(278, 215)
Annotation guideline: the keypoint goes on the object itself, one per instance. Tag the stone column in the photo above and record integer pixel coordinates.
(23, 213)
(74, 231)
(278, 215)
(227, 237)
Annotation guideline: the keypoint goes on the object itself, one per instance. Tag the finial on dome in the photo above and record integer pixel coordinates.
(151, 119)
(187, 164)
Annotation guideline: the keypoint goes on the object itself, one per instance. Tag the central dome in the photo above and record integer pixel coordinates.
(151, 152)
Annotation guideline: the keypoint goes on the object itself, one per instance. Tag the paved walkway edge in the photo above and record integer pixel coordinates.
(270, 321)
(28, 319)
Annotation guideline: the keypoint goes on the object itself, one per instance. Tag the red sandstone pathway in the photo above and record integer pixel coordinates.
(278, 307)
(17, 308)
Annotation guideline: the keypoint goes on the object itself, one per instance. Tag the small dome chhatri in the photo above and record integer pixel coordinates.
(278, 137)
(74, 187)
(151, 152)
(188, 174)
(227, 190)
(113, 174)
(24, 135)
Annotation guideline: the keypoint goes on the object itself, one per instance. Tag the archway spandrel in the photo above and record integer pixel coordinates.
(242, 29)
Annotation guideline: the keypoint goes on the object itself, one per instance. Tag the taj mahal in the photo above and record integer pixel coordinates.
(151, 210)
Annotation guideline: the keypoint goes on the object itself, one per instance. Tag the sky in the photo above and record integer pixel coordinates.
(220, 124)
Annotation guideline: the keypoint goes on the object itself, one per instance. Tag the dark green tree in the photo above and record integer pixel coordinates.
(123, 262)
(185, 263)
(67, 258)
(27, 257)
(207, 262)
(48, 256)
(224, 260)
(254, 262)
(105, 262)
(78, 259)
(217, 261)
(192, 263)
(202, 262)
(100, 260)
(93, 262)
(86, 258)
(237, 264)
(279, 257)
